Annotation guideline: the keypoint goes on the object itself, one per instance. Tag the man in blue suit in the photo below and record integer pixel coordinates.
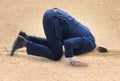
(60, 29)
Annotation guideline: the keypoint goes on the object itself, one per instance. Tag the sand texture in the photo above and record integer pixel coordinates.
(101, 16)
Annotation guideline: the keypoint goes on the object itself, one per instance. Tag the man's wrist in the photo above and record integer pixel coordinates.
(71, 59)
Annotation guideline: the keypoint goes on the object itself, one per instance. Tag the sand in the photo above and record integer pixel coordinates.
(102, 18)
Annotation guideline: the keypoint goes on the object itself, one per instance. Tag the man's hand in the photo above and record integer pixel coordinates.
(79, 64)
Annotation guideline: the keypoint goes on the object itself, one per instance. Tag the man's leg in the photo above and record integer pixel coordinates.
(38, 40)
(34, 39)
(39, 50)
(50, 23)
(50, 48)
(33, 48)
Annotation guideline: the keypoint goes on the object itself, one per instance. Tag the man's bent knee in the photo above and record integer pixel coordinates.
(57, 58)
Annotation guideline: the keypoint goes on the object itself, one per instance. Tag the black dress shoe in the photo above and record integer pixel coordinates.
(21, 33)
(19, 43)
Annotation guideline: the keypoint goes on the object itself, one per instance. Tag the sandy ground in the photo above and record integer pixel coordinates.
(101, 16)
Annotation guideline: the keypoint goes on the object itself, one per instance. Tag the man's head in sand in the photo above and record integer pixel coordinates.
(100, 49)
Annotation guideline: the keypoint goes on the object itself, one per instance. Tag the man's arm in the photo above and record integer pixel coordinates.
(70, 45)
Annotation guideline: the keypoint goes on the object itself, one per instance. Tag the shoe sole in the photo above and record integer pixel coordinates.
(15, 45)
